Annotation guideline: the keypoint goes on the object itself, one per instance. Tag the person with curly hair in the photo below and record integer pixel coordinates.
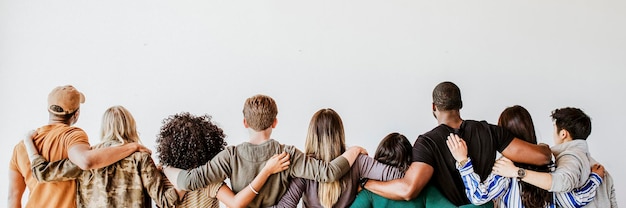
(128, 183)
(187, 141)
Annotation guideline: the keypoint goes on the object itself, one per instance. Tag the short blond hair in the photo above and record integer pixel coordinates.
(260, 112)
(119, 125)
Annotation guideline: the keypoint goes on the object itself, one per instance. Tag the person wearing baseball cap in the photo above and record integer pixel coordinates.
(57, 140)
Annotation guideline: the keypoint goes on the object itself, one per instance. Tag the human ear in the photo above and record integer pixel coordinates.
(275, 123)
(245, 123)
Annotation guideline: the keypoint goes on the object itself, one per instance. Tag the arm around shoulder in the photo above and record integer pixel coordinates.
(216, 170)
(407, 188)
(86, 158)
(321, 171)
(523, 152)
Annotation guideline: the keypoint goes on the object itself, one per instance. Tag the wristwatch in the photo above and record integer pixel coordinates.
(521, 173)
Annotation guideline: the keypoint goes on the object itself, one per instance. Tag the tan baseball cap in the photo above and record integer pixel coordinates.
(64, 100)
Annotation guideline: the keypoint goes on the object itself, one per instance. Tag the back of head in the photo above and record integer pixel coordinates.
(64, 102)
(447, 96)
(325, 141)
(574, 121)
(186, 141)
(118, 125)
(518, 121)
(395, 150)
(260, 112)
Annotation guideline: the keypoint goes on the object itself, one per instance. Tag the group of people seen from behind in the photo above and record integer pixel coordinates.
(456, 164)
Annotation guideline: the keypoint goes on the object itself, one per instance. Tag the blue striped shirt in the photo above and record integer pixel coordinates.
(506, 192)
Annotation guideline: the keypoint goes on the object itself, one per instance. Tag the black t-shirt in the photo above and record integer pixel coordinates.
(483, 140)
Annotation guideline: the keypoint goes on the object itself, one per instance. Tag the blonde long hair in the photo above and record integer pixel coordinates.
(325, 141)
(118, 125)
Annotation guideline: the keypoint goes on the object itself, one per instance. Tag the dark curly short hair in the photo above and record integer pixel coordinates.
(187, 141)
(447, 96)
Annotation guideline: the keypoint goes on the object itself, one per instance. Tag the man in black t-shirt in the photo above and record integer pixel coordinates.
(433, 160)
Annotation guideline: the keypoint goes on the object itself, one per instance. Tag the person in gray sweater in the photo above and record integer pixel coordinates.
(326, 141)
(243, 162)
(573, 161)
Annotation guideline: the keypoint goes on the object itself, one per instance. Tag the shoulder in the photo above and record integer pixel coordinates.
(73, 130)
(473, 124)
(230, 150)
(17, 157)
(290, 149)
(139, 157)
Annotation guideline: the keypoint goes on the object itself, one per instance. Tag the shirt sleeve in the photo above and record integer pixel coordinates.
(318, 170)
(363, 200)
(60, 170)
(216, 170)
(502, 137)
(76, 136)
(13, 164)
(214, 188)
(372, 169)
(480, 193)
(152, 179)
(293, 194)
(567, 174)
(423, 151)
(581, 196)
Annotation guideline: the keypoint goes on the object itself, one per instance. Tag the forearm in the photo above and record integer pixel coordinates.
(523, 152)
(245, 196)
(61, 170)
(17, 185)
(482, 192)
(583, 195)
(87, 158)
(14, 200)
(407, 188)
(318, 170)
(538, 179)
(396, 189)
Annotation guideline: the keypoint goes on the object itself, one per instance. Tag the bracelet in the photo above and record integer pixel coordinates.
(252, 189)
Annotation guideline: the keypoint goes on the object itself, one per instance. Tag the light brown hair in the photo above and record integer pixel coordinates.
(325, 141)
(260, 112)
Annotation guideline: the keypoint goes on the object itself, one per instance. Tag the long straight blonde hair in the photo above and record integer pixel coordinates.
(118, 125)
(326, 141)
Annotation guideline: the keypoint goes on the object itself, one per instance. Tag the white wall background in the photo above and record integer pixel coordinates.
(375, 62)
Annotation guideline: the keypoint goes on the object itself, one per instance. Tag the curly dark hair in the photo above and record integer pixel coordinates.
(187, 141)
